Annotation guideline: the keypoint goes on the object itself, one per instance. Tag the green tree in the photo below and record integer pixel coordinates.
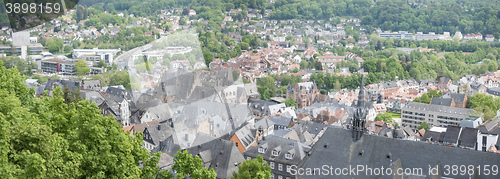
(386, 117)
(46, 138)
(236, 75)
(55, 45)
(102, 64)
(255, 168)
(71, 96)
(291, 102)
(81, 67)
(120, 78)
(188, 166)
(244, 45)
(423, 125)
(337, 85)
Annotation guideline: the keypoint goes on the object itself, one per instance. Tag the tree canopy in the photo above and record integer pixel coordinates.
(187, 165)
(47, 138)
(255, 168)
(291, 102)
(423, 125)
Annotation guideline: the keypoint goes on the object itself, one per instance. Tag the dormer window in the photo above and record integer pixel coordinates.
(276, 153)
(262, 150)
(289, 156)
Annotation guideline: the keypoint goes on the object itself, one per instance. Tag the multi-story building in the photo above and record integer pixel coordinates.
(436, 115)
(489, 38)
(387, 88)
(451, 99)
(304, 93)
(488, 136)
(397, 35)
(95, 55)
(429, 36)
(53, 65)
(281, 154)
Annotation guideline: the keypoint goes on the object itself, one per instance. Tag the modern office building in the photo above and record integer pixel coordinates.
(397, 35)
(54, 65)
(436, 115)
(95, 55)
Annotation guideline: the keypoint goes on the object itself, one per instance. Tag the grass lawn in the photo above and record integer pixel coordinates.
(395, 115)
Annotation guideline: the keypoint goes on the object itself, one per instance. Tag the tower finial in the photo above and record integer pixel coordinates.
(361, 96)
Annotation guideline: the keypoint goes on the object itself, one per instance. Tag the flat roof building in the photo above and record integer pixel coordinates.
(96, 55)
(436, 115)
(53, 65)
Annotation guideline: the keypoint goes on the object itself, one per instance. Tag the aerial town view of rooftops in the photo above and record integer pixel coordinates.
(268, 89)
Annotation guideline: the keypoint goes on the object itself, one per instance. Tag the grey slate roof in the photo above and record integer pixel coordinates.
(468, 137)
(264, 123)
(219, 154)
(337, 149)
(311, 127)
(451, 135)
(388, 84)
(72, 85)
(119, 92)
(282, 146)
(158, 133)
(280, 121)
(457, 97)
(246, 135)
(441, 101)
(93, 96)
(494, 91)
(475, 85)
(91, 85)
(433, 136)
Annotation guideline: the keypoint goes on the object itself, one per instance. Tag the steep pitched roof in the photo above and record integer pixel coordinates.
(219, 154)
(468, 137)
(441, 101)
(246, 135)
(457, 97)
(337, 149)
(273, 145)
(452, 134)
(158, 133)
(281, 121)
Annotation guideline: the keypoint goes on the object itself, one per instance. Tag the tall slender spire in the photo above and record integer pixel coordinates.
(361, 96)
(359, 118)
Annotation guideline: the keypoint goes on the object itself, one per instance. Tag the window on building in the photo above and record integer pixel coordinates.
(280, 167)
(280, 177)
(271, 164)
(276, 153)
(262, 150)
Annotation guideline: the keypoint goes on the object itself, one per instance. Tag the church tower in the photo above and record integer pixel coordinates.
(359, 118)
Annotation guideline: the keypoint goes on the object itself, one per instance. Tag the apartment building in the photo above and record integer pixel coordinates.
(436, 115)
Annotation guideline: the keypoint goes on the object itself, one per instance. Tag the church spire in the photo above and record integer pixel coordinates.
(361, 96)
(359, 118)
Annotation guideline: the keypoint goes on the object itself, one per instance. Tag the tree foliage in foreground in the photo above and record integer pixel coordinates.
(188, 166)
(255, 168)
(47, 138)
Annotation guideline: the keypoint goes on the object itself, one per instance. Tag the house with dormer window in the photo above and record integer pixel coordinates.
(280, 153)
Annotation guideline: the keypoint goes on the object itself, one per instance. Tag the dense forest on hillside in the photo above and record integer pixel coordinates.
(394, 15)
